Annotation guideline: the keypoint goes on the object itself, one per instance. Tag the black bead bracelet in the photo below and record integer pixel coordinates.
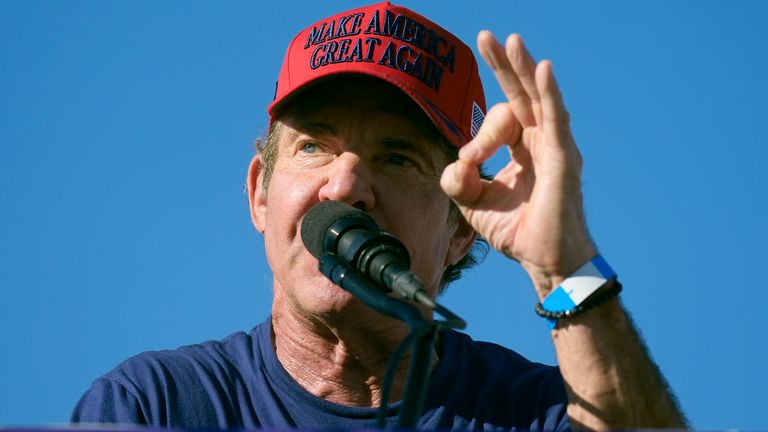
(590, 303)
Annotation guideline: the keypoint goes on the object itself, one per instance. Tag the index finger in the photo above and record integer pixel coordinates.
(496, 57)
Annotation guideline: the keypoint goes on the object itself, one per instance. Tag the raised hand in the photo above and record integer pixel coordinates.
(532, 209)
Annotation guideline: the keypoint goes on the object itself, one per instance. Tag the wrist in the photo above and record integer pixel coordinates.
(593, 284)
(546, 278)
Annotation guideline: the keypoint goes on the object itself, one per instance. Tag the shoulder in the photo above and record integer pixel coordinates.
(186, 364)
(495, 386)
(490, 358)
(187, 385)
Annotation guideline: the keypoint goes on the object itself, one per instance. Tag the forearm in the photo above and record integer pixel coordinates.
(611, 380)
(532, 212)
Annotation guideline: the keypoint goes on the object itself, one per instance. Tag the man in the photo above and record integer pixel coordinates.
(381, 109)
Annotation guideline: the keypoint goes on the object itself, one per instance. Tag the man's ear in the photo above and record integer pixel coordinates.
(257, 200)
(461, 241)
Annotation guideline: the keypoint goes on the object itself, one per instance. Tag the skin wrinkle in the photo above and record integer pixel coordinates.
(331, 381)
(327, 381)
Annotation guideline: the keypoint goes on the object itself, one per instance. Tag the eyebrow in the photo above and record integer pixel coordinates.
(315, 127)
(406, 144)
(398, 143)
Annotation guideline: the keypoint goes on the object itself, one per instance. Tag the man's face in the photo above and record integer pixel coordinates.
(362, 142)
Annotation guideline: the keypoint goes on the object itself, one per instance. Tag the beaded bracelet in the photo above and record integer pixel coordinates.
(554, 317)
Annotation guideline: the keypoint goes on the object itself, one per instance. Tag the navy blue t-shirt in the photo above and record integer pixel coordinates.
(239, 383)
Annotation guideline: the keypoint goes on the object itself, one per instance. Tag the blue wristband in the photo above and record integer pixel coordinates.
(577, 287)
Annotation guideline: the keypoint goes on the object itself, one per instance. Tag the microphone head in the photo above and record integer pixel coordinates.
(327, 220)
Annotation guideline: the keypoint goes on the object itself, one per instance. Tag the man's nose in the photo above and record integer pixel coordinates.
(348, 180)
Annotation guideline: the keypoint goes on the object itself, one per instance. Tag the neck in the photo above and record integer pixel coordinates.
(342, 362)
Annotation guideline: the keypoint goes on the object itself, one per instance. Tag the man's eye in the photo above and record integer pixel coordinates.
(400, 160)
(308, 147)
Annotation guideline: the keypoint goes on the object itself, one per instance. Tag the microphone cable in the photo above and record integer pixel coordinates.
(451, 321)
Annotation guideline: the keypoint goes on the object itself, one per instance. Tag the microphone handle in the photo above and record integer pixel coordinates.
(344, 275)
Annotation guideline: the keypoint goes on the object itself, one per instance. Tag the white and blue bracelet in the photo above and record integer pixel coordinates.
(574, 294)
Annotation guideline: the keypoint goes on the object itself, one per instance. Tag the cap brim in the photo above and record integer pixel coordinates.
(447, 129)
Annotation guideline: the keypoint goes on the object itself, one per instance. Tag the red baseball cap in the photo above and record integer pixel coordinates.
(432, 66)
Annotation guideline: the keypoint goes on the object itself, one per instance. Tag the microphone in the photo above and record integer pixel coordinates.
(349, 233)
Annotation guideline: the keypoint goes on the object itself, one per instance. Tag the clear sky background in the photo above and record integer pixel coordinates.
(126, 129)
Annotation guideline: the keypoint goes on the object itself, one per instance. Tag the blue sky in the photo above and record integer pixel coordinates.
(126, 129)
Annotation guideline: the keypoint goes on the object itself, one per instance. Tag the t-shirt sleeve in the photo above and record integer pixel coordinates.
(108, 401)
(557, 419)
(557, 414)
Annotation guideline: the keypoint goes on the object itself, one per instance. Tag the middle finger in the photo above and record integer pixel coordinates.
(525, 68)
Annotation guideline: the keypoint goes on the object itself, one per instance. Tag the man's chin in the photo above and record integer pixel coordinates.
(330, 298)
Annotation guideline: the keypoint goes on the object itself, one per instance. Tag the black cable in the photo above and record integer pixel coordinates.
(389, 375)
(344, 275)
(451, 320)
(416, 386)
(397, 355)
